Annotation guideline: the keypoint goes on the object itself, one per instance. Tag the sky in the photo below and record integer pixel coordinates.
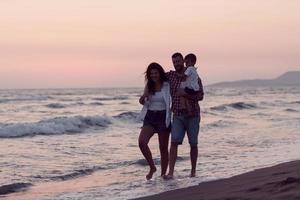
(97, 43)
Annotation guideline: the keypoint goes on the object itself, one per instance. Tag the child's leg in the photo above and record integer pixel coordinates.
(190, 91)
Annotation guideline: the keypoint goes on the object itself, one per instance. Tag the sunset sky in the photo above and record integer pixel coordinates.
(95, 43)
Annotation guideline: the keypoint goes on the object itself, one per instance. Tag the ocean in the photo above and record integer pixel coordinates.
(82, 143)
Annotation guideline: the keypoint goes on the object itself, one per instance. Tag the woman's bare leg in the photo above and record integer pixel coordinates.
(145, 136)
(164, 154)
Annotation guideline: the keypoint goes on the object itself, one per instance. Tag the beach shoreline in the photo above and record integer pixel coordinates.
(82, 144)
(281, 181)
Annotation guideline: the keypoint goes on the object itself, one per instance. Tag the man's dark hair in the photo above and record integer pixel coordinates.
(192, 57)
(177, 54)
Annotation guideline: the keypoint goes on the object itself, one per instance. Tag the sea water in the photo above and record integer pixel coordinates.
(82, 143)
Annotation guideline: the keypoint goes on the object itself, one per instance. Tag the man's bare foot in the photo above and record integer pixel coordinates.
(168, 177)
(150, 174)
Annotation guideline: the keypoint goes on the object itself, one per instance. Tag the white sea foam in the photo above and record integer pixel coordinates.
(58, 125)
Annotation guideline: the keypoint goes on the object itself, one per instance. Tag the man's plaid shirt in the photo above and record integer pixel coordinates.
(174, 81)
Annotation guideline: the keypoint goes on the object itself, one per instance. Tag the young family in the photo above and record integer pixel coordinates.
(175, 93)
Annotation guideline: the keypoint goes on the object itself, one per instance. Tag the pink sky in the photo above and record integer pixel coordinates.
(77, 43)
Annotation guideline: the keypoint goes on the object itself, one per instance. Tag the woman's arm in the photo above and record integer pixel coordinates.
(144, 96)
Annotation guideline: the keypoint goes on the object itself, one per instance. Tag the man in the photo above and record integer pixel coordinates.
(183, 121)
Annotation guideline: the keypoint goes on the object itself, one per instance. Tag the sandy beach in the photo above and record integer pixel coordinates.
(272, 183)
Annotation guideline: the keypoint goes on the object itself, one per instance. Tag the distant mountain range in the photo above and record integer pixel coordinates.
(291, 78)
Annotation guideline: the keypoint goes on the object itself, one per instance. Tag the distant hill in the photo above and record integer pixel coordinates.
(291, 78)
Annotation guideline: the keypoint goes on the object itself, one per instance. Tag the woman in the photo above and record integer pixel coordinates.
(156, 116)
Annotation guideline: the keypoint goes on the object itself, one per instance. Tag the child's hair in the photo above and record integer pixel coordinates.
(192, 57)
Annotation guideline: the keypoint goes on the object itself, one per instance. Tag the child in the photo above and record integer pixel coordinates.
(190, 85)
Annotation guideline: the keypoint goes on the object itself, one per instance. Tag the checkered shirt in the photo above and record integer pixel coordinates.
(174, 81)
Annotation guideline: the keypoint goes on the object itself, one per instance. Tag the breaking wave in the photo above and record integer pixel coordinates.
(237, 106)
(58, 125)
(56, 105)
(14, 187)
(128, 116)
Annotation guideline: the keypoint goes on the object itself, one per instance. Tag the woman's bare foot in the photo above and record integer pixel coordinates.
(168, 177)
(150, 174)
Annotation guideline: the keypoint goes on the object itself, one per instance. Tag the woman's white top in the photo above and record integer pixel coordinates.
(156, 103)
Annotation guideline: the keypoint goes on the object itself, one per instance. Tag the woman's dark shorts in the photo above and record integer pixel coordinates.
(156, 120)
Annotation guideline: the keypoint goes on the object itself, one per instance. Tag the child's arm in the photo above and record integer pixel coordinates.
(193, 82)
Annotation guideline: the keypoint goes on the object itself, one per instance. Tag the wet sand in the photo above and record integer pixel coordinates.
(272, 183)
(52, 189)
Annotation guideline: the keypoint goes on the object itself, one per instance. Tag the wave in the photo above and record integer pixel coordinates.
(62, 125)
(279, 103)
(296, 102)
(54, 126)
(60, 105)
(96, 104)
(56, 105)
(290, 110)
(124, 103)
(143, 162)
(237, 106)
(261, 114)
(110, 98)
(37, 98)
(128, 116)
(86, 171)
(108, 166)
(209, 113)
(64, 93)
(75, 174)
(3, 100)
(266, 103)
(221, 124)
(69, 99)
(78, 104)
(14, 187)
